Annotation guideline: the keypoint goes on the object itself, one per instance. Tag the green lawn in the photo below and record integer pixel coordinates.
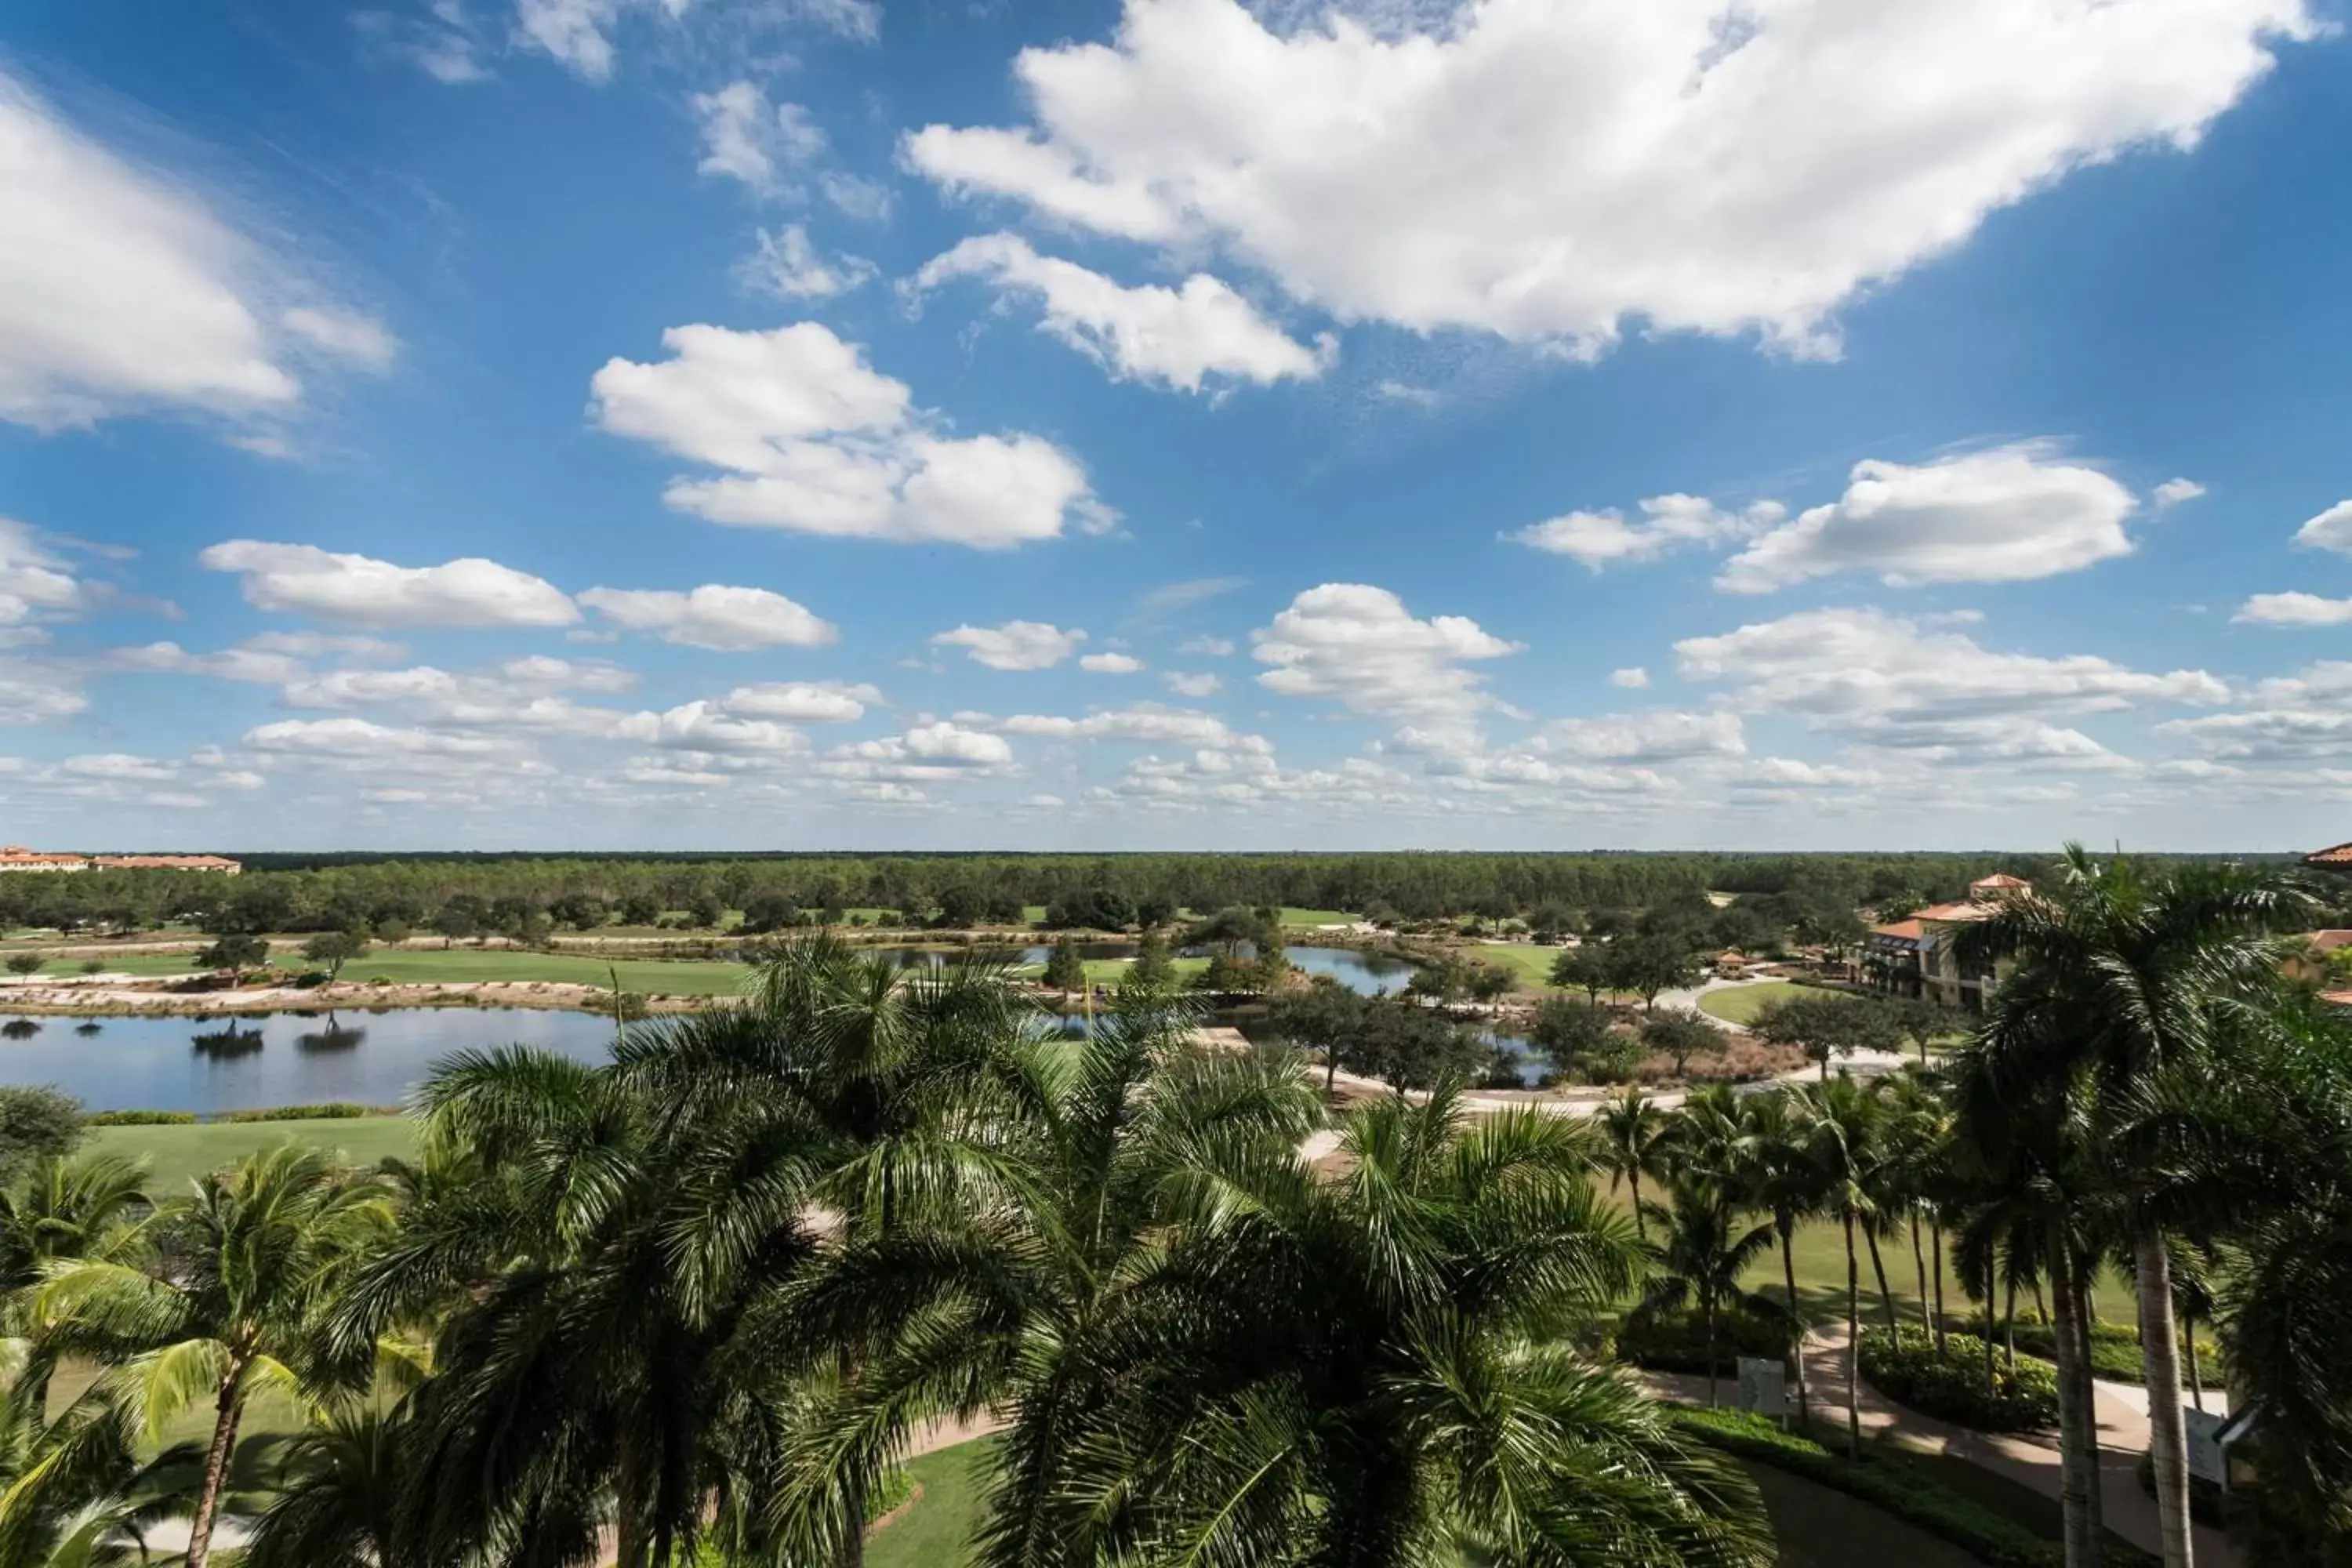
(1741, 1005)
(175, 1155)
(1817, 1528)
(936, 1530)
(1292, 915)
(1111, 971)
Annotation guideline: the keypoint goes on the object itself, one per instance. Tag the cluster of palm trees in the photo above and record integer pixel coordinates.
(2147, 1100)
(693, 1306)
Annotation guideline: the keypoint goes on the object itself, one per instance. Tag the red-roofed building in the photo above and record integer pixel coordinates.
(2335, 857)
(16, 858)
(220, 863)
(1918, 957)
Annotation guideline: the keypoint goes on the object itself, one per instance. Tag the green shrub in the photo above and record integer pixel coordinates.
(1907, 1494)
(1677, 1340)
(336, 1110)
(142, 1118)
(1950, 1384)
(2115, 1349)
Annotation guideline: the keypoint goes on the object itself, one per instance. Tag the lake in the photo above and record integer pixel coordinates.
(376, 1059)
(208, 1065)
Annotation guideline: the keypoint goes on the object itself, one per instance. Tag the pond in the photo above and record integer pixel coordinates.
(209, 1065)
(1367, 972)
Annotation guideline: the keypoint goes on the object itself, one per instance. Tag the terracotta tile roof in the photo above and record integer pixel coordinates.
(1908, 930)
(168, 862)
(2329, 941)
(2336, 998)
(2334, 855)
(1999, 879)
(1954, 912)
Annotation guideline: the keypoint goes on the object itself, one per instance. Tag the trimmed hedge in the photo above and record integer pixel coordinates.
(1950, 1384)
(1908, 1495)
(2114, 1350)
(336, 1110)
(333, 1110)
(1677, 1340)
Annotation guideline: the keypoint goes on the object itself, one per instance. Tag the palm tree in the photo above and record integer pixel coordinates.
(2122, 974)
(74, 1492)
(1706, 1247)
(77, 1207)
(604, 1274)
(1205, 1351)
(587, 1282)
(2028, 1180)
(1778, 1173)
(336, 1502)
(1633, 1132)
(250, 1263)
(1919, 1129)
(1841, 1121)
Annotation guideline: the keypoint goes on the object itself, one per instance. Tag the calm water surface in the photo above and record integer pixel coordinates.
(376, 1059)
(243, 1064)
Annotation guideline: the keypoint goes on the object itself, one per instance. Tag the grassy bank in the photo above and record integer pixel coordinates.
(175, 1155)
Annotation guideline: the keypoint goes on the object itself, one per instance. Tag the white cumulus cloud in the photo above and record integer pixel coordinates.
(2331, 530)
(814, 439)
(2295, 610)
(1548, 171)
(1359, 645)
(2007, 515)
(1599, 539)
(360, 591)
(1015, 645)
(1893, 682)
(1110, 663)
(714, 617)
(1174, 337)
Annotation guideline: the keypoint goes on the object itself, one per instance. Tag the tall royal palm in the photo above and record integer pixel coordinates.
(1778, 1172)
(1844, 1122)
(1705, 1243)
(1634, 1131)
(252, 1260)
(2123, 972)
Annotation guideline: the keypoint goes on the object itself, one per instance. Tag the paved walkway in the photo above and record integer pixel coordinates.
(2031, 1459)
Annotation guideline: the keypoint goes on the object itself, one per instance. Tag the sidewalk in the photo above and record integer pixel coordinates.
(2031, 1459)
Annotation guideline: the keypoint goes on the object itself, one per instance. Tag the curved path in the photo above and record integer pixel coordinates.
(2030, 1459)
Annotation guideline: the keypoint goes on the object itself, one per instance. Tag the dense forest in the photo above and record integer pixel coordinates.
(501, 893)
(291, 892)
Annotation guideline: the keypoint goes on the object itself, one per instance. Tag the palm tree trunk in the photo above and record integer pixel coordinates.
(1787, 1225)
(1935, 1229)
(2086, 1392)
(2196, 1382)
(1634, 1171)
(2159, 1342)
(2041, 1307)
(229, 1406)
(1852, 1345)
(1885, 1291)
(1920, 1262)
(1707, 1311)
(2008, 1327)
(2077, 1469)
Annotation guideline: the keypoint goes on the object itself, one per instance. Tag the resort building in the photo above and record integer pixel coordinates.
(1916, 957)
(16, 858)
(215, 863)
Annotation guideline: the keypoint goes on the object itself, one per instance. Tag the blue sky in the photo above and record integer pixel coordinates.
(714, 423)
